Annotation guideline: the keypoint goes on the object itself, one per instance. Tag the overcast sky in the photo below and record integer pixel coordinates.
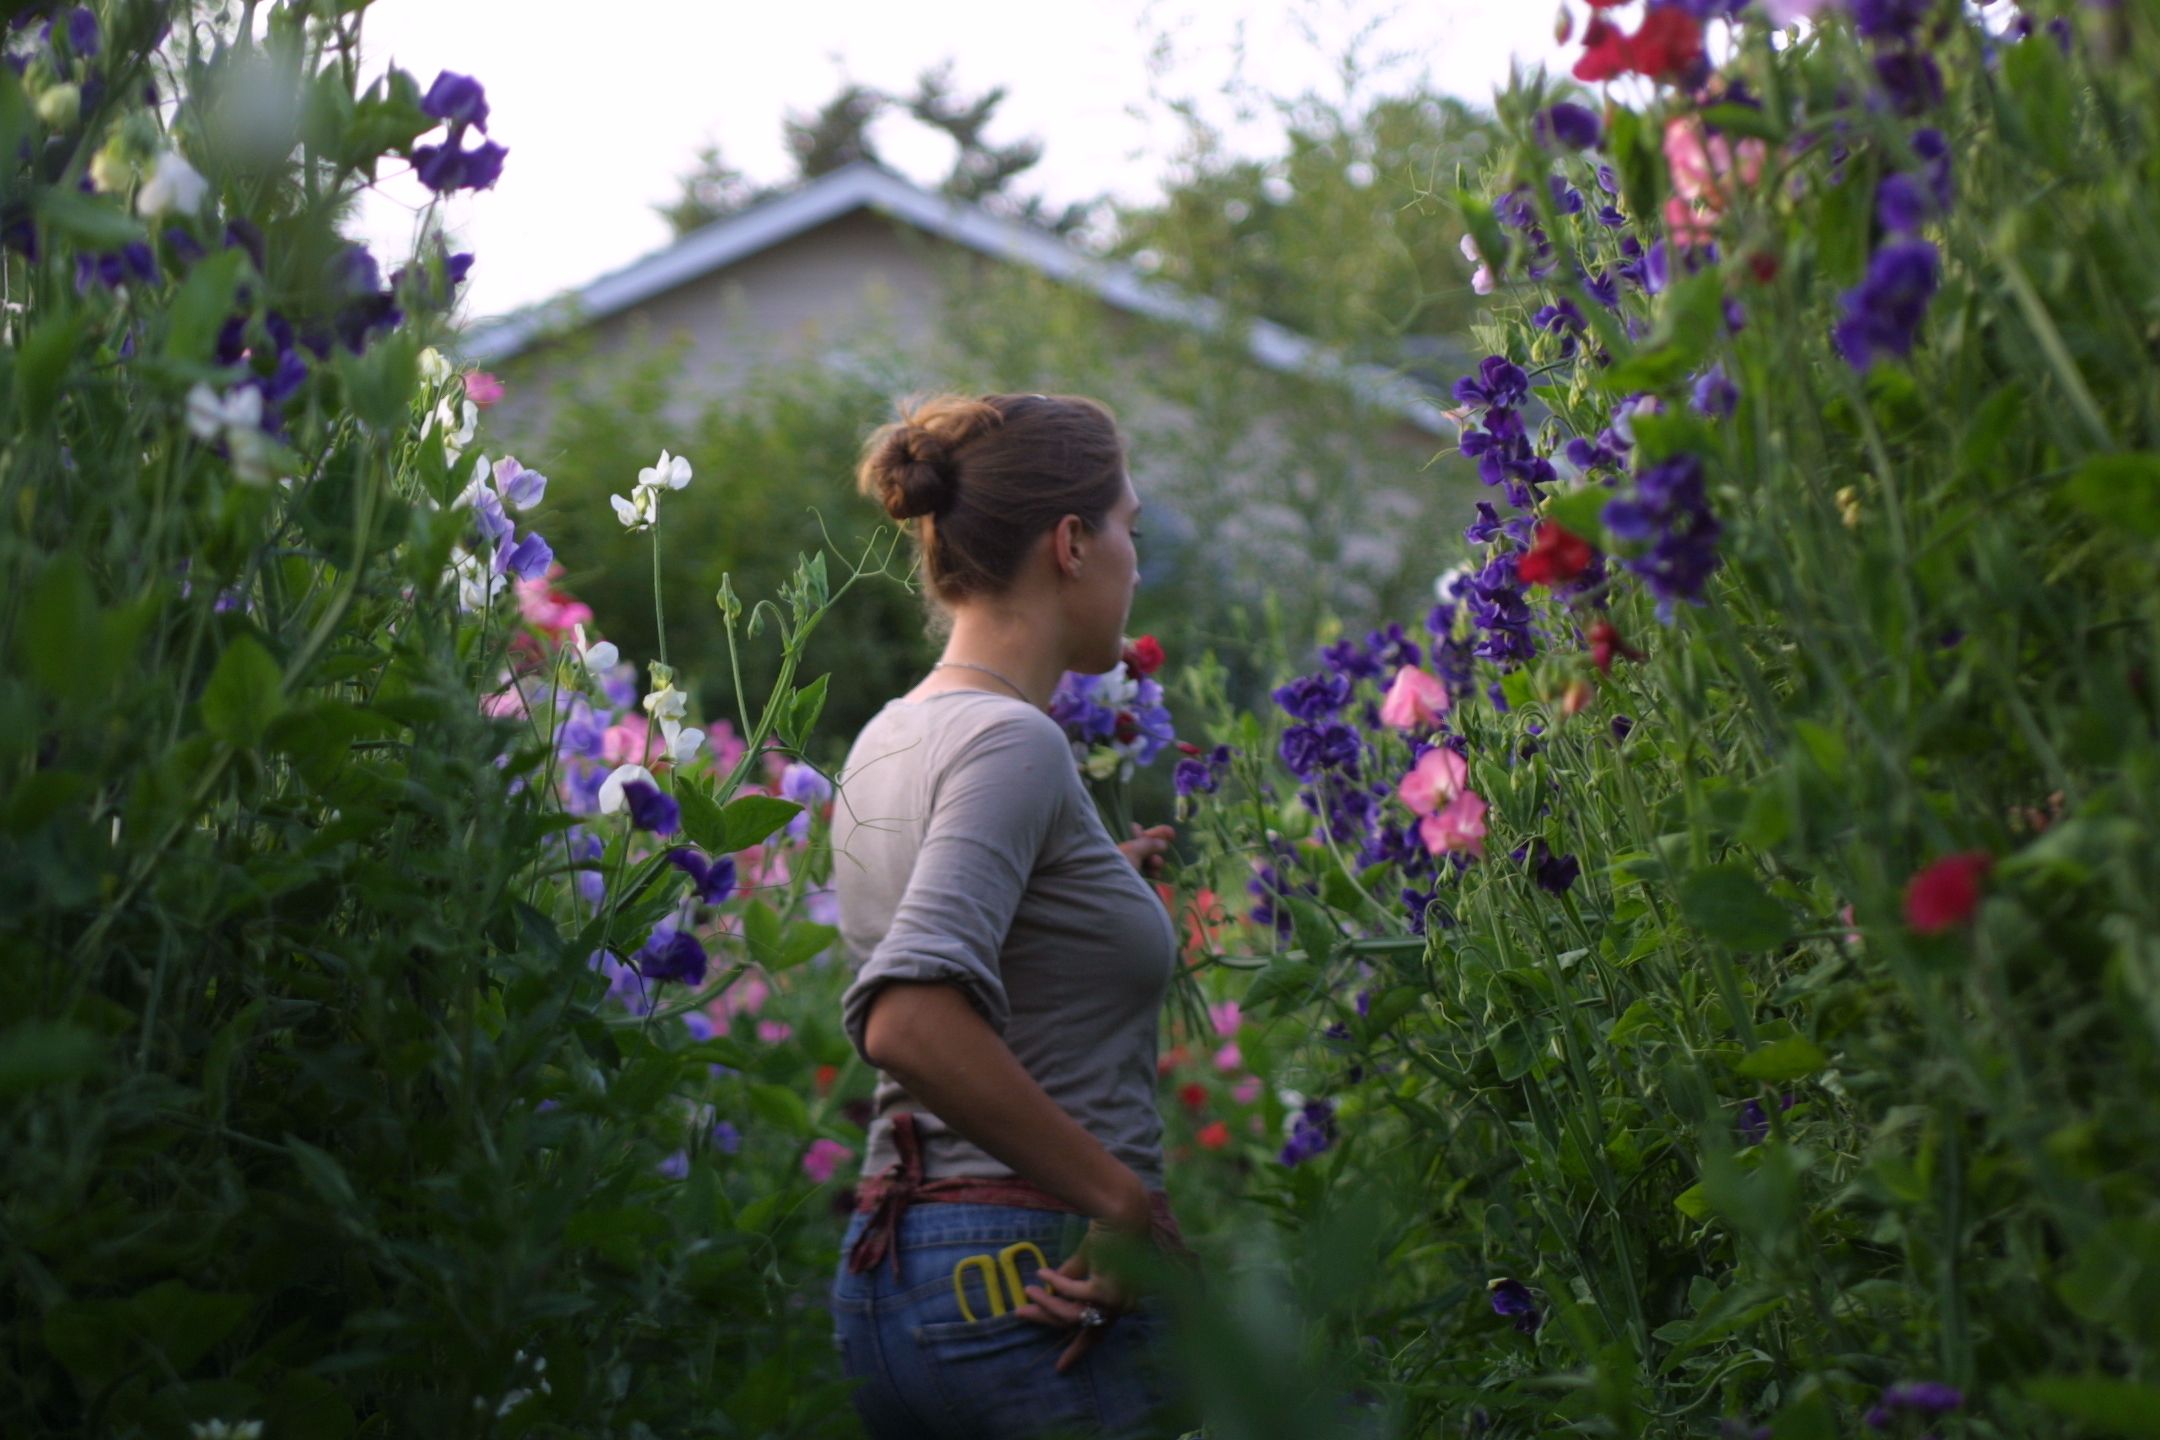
(603, 107)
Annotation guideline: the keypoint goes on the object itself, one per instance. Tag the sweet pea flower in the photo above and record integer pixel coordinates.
(775, 1032)
(670, 472)
(1437, 778)
(651, 808)
(612, 797)
(1459, 825)
(174, 186)
(1945, 894)
(639, 511)
(520, 488)
(1481, 282)
(1229, 1058)
(627, 741)
(713, 880)
(823, 1157)
(665, 702)
(482, 388)
(599, 656)
(1416, 700)
(1226, 1018)
(672, 953)
(680, 745)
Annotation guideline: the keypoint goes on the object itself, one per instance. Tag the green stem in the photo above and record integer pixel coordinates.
(659, 610)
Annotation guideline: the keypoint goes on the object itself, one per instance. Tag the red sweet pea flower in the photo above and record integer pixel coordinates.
(1214, 1135)
(1667, 45)
(1143, 657)
(1194, 1095)
(1556, 556)
(1604, 52)
(1605, 643)
(1944, 896)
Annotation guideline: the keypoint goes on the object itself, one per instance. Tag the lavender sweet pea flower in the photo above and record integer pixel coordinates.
(807, 788)
(1714, 394)
(652, 808)
(520, 488)
(1925, 1398)
(726, 1138)
(528, 559)
(1571, 126)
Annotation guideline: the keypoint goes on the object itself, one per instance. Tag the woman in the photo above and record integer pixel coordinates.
(1012, 959)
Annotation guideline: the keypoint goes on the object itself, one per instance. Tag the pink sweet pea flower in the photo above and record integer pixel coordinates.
(774, 1032)
(746, 996)
(1416, 700)
(1226, 1018)
(482, 388)
(1459, 826)
(1434, 780)
(1702, 165)
(1229, 1057)
(824, 1157)
(625, 743)
(1246, 1091)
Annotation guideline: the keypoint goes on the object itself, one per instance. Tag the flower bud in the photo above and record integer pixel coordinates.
(60, 106)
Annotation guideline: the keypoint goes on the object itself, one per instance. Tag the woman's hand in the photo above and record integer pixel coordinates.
(1061, 1297)
(1147, 847)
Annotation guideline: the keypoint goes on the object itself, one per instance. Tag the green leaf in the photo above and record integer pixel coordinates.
(1518, 688)
(41, 1053)
(1782, 1060)
(1660, 437)
(1744, 120)
(1726, 903)
(1808, 1418)
(803, 711)
(1687, 326)
(1640, 160)
(702, 820)
(806, 941)
(1693, 1203)
(1638, 1017)
(1284, 981)
(323, 1174)
(751, 820)
(1824, 746)
(94, 221)
(47, 352)
(1579, 511)
(379, 385)
(1316, 933)
(779, 1105)
(1768, 822)
(2038, 77)
(2103, 1403)
(761, 933)
(37, 798)
(60, 630)
(246, 692)
(201, 305)
(2122, 491)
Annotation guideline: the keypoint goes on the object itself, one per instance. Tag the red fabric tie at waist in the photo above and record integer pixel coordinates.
(885, 1199)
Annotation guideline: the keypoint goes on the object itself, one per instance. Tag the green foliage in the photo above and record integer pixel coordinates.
(1757, 1142)
(315, 1113)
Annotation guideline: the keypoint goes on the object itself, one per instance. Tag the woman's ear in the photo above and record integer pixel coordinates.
(1066, 546)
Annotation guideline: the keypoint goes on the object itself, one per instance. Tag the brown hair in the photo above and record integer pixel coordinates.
(983, 478)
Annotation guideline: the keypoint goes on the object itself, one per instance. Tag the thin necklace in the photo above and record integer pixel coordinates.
(969, 665)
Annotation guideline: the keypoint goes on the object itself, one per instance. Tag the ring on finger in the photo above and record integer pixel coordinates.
(1092, 1318)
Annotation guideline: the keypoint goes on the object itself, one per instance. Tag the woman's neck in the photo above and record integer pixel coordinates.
(1015, 647)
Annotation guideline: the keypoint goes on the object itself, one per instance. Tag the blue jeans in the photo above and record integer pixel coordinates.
(929, 1372)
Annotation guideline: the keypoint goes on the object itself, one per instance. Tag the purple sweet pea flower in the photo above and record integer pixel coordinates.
(1555, 874)
(1889, 19)
(1714, 394)
(1911, 79)
(82, 32)
(652, 808)
(444, 168)
(1512, 1297)
(1311, 1132)
(713, 880)
(1883, 313)
(1572, 126)
(672, 954)
(726, 1138)
(675, 1167)
(1308, 750)
(1925, 1398)
(1313, 697)
(1499, 382)
(458, 99)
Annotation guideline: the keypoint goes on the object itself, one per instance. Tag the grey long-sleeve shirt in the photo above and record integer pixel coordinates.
(966, 850)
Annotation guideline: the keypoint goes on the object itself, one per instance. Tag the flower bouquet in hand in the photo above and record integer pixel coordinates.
(1116, 722)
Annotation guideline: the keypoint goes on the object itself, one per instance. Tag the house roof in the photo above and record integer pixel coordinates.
(864, 186)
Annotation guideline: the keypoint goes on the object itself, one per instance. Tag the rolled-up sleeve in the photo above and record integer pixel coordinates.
(990, 814)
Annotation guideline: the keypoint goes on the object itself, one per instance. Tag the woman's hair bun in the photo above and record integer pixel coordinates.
(913, 467)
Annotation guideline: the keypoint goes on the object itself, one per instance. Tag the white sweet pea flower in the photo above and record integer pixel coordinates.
(477, 581)
(670, 472)
(599, 657)
(173, 186)
(611, 796)
(458, 420)
(667, 703)
(682, 744)
(639, 511)
(434, 366)
(237, 421)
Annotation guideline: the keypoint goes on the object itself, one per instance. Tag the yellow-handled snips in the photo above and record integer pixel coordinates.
(1007, 1262)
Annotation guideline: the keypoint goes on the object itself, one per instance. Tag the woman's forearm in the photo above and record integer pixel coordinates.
(930, 1039)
